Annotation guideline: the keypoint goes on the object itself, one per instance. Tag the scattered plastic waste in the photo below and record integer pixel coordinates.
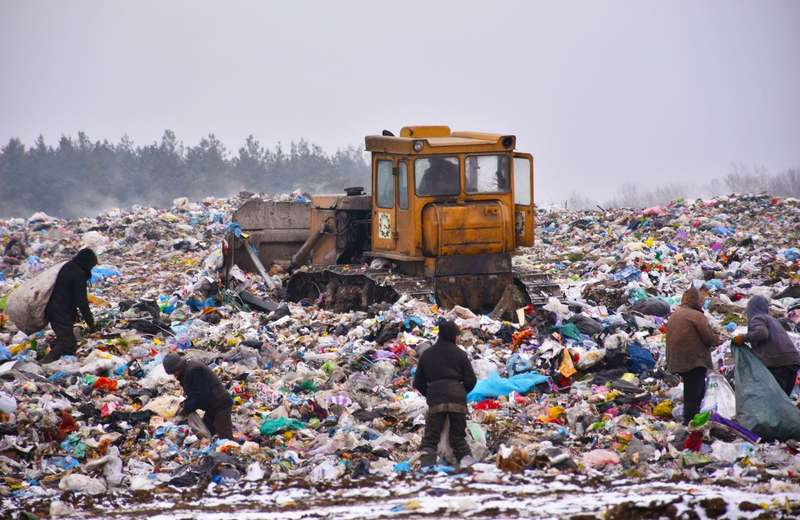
(574, 388)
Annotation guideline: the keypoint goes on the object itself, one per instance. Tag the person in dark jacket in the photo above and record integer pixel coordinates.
(445, 377)
(770, 343)
(204, 391)
(690, 339)
(69, 297)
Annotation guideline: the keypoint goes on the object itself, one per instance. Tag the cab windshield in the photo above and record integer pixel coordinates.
(487, 173)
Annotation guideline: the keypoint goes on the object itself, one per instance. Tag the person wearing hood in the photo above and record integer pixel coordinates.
(690, 339)
(770, 343)
(204, 391)
(445, 376)
(70, 297)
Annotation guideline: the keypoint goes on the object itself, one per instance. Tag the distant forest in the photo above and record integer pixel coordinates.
(81, 177)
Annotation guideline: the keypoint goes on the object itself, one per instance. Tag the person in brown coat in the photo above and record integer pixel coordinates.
(690, 339)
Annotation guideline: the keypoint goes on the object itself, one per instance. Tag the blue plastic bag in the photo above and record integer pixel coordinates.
(102, 271)
(792, 254)
(627, 274)
(198, 305)
(641, 359)
(761, 404)
(412, 321)
(495, 386)
(235, 229)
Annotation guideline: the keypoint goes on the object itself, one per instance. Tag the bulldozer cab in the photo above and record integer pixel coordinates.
(438, 193)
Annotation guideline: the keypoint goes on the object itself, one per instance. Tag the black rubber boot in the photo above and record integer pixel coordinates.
(427, 459)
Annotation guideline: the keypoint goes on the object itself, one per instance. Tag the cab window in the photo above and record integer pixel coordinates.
(437, 176)
(522, 181)
(385, 185)
(402, 185)
(487, 173)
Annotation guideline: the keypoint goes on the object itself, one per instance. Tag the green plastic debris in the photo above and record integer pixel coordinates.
(699, 420)
(570, 330)
(280, 424)
(307, 385)
(637, 294)
(74, 446)
(690, 458)
(328, 367)
(598, 425)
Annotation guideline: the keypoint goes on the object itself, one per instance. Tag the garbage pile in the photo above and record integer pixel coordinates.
(577, 387)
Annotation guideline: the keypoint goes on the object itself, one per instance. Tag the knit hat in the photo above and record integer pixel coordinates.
(173, 363)
(448, 331)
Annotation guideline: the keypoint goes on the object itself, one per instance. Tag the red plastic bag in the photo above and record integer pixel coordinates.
(105, 383)
(694, 441)
(487, 404)
(67, 425)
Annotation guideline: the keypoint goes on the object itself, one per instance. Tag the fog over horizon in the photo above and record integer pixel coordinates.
(603, 94)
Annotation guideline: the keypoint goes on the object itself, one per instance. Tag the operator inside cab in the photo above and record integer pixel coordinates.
(440, 178)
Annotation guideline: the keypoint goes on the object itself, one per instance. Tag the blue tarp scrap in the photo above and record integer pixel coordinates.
(496, 386)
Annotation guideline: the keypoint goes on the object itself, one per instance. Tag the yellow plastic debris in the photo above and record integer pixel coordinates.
(96, 300)
(554, 412)
(566, 368)
(664, 409)
(412, 505)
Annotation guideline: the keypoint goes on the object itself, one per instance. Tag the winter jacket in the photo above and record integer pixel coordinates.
(769, 341)
(203, 389)
(690, 338)
(445, 377)
(69, 292)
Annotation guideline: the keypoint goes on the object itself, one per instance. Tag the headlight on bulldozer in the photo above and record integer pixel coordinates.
(418, 146)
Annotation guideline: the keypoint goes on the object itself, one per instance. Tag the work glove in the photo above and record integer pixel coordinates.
(738, 340)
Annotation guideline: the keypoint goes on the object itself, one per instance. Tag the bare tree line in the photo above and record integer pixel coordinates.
(740, 179)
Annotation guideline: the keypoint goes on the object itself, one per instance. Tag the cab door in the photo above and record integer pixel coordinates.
(405, 235)
(523, 199)
(384, 213)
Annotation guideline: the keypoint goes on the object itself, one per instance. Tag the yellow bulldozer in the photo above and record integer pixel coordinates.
(445, 214)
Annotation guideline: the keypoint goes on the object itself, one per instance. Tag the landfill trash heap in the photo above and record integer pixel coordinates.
(577, 387)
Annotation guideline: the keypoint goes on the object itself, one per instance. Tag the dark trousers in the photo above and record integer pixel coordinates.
(65, 343)
(785, 376)
(694, 388)
(434, 424)
(218, 422)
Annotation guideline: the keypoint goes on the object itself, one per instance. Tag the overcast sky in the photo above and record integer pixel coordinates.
(601, 93)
